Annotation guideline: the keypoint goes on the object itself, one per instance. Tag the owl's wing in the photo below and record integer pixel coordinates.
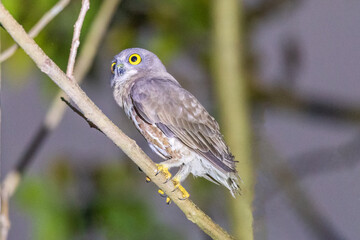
(179, 114)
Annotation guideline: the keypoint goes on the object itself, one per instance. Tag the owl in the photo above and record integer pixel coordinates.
(174, 123)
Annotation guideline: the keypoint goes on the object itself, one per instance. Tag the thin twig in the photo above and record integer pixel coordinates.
(76, 39)
(48, 16)
(91, 124)
(93, 113)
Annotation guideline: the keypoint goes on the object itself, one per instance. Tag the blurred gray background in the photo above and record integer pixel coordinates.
(308, 48)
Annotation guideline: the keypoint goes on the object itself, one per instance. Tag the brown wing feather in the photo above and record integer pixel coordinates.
(174, 110)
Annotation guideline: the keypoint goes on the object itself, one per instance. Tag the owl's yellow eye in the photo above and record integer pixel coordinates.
(113, 65)
(134, 59)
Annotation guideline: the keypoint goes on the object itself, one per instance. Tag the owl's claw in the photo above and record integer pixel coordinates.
(177, 185)
(162, 193)
(147, 179)
(186, 195)
(164, 170)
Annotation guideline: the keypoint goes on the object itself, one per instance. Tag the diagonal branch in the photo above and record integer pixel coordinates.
(94, 114)
(48, 16)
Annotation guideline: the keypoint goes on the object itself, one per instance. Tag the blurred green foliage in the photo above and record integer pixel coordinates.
(54, 39)
(48, 211)
(103, 201)
(165, 27)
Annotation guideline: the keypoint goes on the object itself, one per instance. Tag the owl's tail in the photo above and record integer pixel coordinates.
(233, 183)
(230, 180)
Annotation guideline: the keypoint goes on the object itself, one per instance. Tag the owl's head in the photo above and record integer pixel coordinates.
(132, 61)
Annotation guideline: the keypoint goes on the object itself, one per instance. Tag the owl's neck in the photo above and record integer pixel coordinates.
(121, 91)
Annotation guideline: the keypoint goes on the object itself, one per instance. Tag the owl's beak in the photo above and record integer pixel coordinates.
(120, 68)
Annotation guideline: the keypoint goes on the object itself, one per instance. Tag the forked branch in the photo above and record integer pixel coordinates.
(12, 180)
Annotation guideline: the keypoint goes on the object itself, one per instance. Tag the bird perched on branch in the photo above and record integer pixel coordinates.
(176, 126)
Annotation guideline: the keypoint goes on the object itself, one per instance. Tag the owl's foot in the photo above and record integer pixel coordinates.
(181, 175)
(162, 168)
(176, 182)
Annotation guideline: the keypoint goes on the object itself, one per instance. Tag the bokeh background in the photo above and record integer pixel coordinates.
(301, 61)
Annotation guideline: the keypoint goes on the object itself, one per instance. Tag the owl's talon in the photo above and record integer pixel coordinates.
(185, 194)
(177, 185)
(162, 193)
(176, 182)
(165, 170)
(147, 179)
(168, 200)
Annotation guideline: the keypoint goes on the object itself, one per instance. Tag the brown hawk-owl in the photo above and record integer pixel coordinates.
(176, 126)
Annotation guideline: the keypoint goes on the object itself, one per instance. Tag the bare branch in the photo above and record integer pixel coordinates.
(93, 113)
(76, 39)
(48, 16)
